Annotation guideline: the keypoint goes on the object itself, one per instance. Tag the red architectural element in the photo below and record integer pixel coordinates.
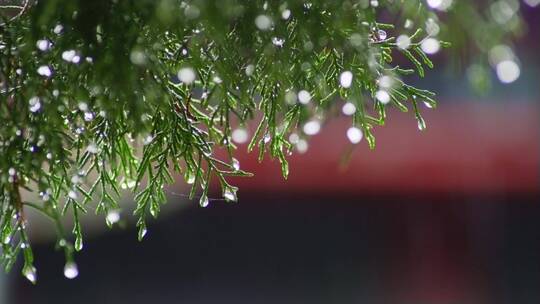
(469, 148)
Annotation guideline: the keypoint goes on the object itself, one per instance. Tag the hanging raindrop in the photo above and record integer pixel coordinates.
(190, 177)
(30, 273)
(70, 270)
(204, 202)
(230, 194)
(421, 124)
(235, 164)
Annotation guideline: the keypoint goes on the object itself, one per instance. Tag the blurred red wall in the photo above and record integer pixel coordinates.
(468, 147)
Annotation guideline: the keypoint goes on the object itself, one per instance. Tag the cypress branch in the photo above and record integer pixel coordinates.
(101, 96)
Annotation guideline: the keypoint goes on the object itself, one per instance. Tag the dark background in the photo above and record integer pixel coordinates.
(285, 249)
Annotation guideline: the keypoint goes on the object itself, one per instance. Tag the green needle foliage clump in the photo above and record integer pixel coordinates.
(103, 95)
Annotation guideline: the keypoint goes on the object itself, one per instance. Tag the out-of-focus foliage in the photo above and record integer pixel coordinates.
(132, 91)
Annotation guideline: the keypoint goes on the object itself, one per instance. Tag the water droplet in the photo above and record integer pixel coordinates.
(58, 29)
(44, 71)
(43, 45)
(35, 104)
(83, 106)
(78, 243)
(430, 45)
(508, 71)
(382, 34)
(7, 239)
(68, 55)
(290, 97)
(192, 11)
(354, 135)
(250, 69)
(532, 3)
(428, 105)
(434, 3)
(230, 194)
(348, 109)
(204, 202)
(267, 138)
(72, 194)
(79, 130)
(76, 59)
(88, 116)
(240, 135)
(263, 22)
(312, 127)
(137, 57)
(408, 24)
(421, 124)
(190, 177)
(217, 80)
(186, 75)
(382, 96)
(278, 41)
(148, 139)
(286, 14)
(142, 233)
(304, 97)
(30, 273)
(385, 82)
(294, 138)
(432, 27)
(12, 171)
(441, 5)
(403, 42)
(374, 3)
(70, 270)
(76, 179)
(345, 79)
(92, 148)
(113, 216)
(235, 164)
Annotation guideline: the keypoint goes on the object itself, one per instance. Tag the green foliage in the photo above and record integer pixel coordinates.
(99, 96)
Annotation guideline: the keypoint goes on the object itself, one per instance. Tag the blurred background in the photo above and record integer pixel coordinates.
(447, 215)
